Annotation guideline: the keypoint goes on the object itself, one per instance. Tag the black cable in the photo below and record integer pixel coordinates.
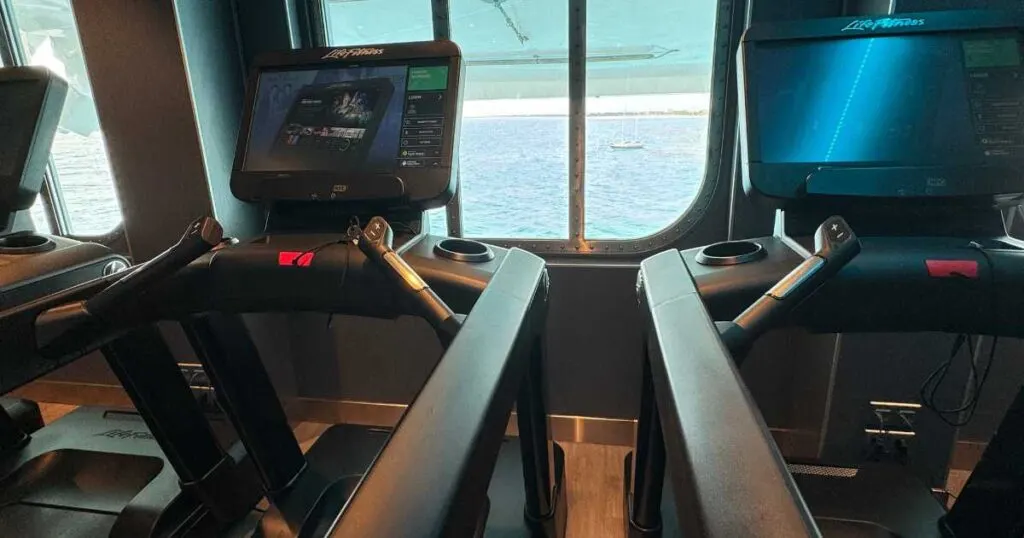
(929, 389)
(403, 227)
(971, 405)
(341, 286)
(972, 357)
(351, 235)
(931, 385)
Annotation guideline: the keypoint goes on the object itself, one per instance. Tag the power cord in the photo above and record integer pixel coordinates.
(351, 235)
(930, 388)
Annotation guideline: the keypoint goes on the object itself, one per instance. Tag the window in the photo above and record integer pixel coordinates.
(648, 95)
(648, 83)
(438, 221)
(363, 23)
(39, 218)
(85, 195)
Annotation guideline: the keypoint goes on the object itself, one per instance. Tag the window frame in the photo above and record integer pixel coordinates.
(52, 196)
(720, 151)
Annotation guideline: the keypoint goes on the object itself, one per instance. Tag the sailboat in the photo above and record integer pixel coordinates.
(631, 143)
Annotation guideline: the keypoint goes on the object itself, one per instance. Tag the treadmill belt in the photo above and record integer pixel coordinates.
(31, 521)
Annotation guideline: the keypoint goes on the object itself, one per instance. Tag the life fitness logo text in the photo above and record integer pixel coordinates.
(341, 54)
(882, 24)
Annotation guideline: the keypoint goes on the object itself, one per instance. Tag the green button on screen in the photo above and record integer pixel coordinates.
(1004, 52)
(423, 79)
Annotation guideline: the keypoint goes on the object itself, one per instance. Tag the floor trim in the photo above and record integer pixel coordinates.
(564, 428)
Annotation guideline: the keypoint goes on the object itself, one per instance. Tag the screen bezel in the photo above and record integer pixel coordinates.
(18, 190)
(423, 188)
(791, 180)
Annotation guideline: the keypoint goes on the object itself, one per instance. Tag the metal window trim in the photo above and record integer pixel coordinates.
(577, 125)
(306, 23)
(9, 54)
(718, 169)
(453, 211)
(441, 19)
(729, 24)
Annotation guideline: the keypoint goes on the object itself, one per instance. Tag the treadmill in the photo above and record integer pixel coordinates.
(919, 178)
(447, 468)
(95, 471)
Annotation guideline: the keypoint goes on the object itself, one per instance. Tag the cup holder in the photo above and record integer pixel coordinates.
(25, 243)
(464, 250)
(731, 253)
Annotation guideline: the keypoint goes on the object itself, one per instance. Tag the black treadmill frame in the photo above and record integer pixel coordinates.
(727, 474)
(456, 424)
(721, 456)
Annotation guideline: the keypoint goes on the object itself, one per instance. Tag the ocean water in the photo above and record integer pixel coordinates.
(514, 173)
(87, 185)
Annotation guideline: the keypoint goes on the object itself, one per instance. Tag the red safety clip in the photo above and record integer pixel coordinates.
(294, 259)
(952, 268)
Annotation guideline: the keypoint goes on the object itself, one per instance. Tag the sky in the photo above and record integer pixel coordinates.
(668, 43)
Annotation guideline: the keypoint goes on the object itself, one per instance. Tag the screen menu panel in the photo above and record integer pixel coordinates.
(367, 119)
(996, 87)
(423, 122)
(901, 100)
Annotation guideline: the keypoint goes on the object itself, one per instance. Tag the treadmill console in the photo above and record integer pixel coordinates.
(910, 105)
(31, 100)
(366, 124)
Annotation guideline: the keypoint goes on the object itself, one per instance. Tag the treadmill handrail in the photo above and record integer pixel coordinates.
(200, 288)
(438, 462)
(727, 473)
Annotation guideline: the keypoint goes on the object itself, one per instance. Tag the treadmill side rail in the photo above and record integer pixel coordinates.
(728, 475)
(438, 462)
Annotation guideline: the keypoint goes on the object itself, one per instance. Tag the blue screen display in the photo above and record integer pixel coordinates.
(898, 100)
(334, 119)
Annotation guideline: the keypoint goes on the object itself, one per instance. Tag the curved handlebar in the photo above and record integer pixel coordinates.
(835, 245)
(199, 238)
(69, 329)
(375, 242)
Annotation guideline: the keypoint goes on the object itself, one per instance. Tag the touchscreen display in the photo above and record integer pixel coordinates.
(369, 119)
(898, 100)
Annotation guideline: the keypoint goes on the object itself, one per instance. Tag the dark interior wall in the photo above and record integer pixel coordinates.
(147, 118)
(595, 337)
(167, 169)
(216, 77)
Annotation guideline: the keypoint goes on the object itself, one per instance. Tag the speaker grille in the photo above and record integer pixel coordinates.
(823, 470)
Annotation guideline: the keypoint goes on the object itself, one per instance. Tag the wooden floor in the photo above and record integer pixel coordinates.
(594, 481)
(52, 412)
(594, 475)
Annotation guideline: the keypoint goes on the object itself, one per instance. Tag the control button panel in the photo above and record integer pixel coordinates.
(838, 232)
